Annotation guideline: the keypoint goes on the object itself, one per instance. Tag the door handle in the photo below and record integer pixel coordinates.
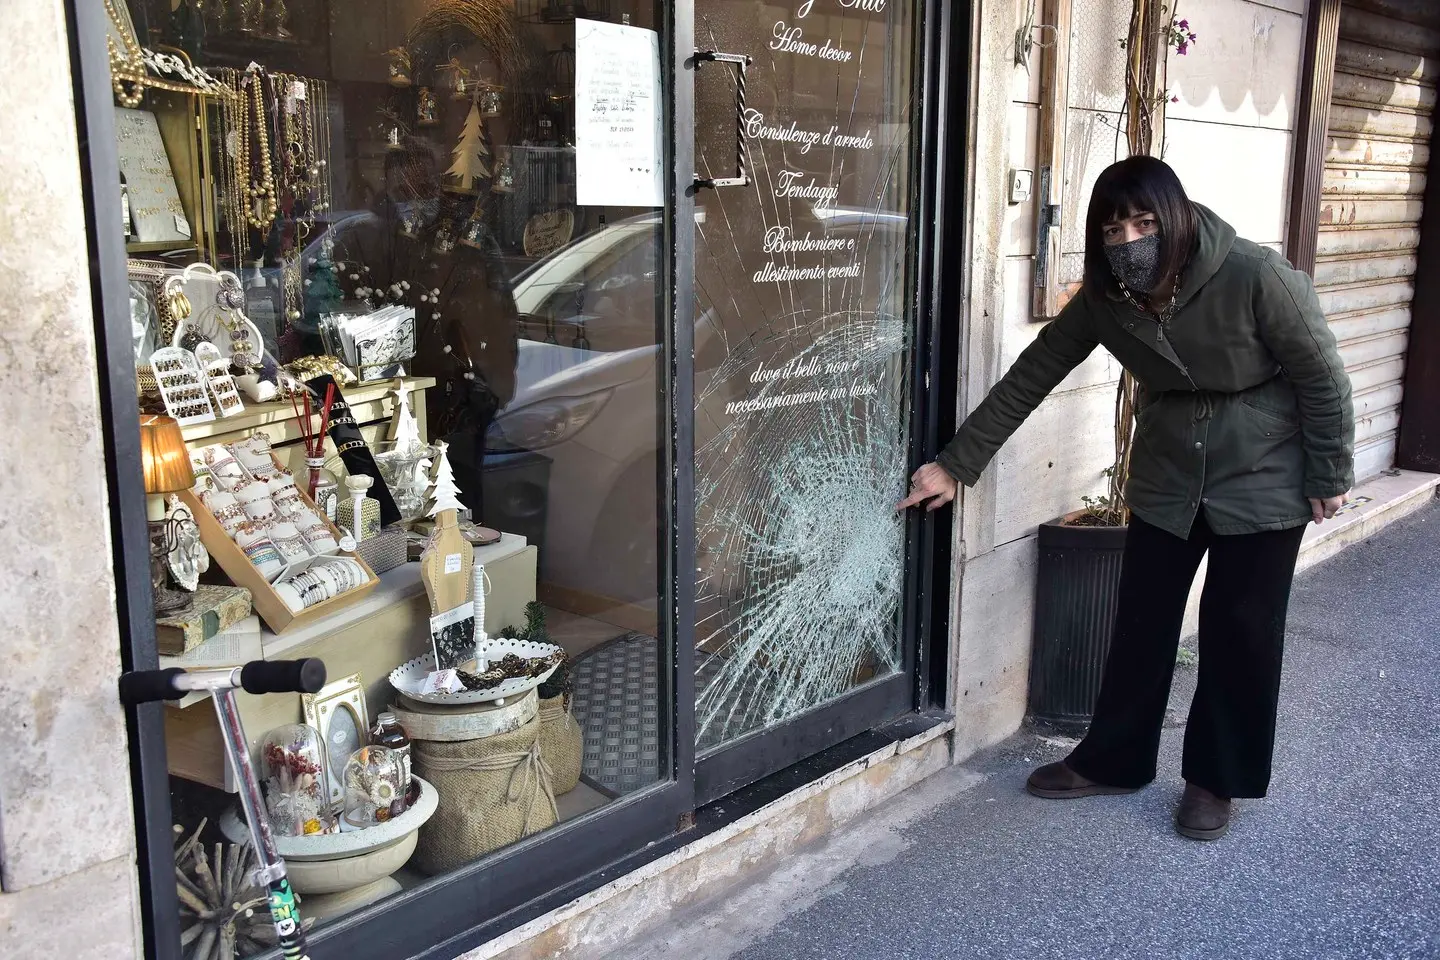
(741, 178)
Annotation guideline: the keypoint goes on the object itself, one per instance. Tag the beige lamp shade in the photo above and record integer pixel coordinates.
(163, 453)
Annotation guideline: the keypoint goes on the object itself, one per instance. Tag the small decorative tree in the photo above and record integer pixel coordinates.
(470, 153)
(444, 493)
(405, 427)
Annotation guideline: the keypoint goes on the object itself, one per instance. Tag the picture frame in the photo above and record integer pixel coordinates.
(338, 712)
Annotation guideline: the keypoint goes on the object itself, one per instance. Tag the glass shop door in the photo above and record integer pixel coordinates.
(804, 320)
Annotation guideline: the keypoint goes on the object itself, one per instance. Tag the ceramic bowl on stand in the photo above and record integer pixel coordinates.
(340, 872)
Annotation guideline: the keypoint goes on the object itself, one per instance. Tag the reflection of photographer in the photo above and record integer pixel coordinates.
(440, 242)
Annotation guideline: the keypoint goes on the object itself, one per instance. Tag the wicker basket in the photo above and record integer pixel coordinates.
(493, 792)
(561, 744)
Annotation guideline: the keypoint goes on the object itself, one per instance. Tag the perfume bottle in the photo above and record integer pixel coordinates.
(358, 513)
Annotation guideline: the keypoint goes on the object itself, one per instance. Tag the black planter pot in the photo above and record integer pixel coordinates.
(1075, 595)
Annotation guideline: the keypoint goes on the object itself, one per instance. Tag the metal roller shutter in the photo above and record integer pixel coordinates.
(1381, 122)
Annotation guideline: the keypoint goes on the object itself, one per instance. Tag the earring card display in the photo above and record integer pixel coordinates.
(154, 198)
(182, 385)
(222, 384)
(268, 604)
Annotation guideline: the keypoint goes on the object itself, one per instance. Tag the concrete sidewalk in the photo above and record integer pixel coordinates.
(1339, 862)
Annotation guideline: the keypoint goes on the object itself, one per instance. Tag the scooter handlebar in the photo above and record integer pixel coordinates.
(283, 676)
(257, 677)
(147, 686)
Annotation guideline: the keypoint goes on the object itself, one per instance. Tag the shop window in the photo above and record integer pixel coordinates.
(420, 393)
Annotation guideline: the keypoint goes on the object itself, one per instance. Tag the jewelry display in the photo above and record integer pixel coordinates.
(249, 173)
(217, 374)
(182, 385)
(254, 498)
(261, 553)
(222, 324)
(308, 368)
(255, 456)
(225, 508)
(286, 495)
(158, 214)
(131, 65)
(223, 468)
(288, 540)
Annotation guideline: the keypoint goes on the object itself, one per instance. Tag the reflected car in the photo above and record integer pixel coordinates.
(572, 460)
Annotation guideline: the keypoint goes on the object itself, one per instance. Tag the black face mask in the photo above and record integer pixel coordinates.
(1136, 264)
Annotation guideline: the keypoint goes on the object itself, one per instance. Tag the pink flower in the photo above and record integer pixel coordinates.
(1174, 99)
(1184, 24)
(1182, 48)
(1192, 38)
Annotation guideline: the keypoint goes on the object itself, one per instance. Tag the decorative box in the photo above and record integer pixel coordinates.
(212, 609)
(386, 550)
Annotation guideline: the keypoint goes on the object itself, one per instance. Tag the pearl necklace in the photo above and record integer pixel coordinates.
(261, 202)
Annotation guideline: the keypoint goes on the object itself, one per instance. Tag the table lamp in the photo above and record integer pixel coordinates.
(167, 470)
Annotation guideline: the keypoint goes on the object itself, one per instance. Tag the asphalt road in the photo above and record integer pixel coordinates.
(1339, 862)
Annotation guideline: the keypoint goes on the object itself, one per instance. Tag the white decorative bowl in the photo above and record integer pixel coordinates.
(338, 862)
(409, 677)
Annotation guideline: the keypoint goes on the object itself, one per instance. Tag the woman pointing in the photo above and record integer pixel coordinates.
(1244, 434)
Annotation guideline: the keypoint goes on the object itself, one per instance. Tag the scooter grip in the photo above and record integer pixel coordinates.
(147, 686)
(283, 676)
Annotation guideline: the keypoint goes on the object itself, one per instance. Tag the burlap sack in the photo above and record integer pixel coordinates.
(492, 791)
(561, 744)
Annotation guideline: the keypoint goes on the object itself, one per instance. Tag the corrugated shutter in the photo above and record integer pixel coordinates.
(1381, 122)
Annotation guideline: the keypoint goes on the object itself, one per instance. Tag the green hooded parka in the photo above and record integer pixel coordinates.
(1244, 407)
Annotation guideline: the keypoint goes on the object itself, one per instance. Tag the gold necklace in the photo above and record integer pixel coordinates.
(260, 195)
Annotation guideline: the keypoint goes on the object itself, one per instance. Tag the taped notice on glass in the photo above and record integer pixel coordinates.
(618, 139)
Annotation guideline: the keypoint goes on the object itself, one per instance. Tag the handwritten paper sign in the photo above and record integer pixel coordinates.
(618, 139)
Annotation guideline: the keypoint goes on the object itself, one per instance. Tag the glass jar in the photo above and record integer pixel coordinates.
(387, 732)
(295, 794)
(374, 786)
(322, 486)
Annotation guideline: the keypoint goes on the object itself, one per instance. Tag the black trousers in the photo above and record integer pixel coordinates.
(1230, 736)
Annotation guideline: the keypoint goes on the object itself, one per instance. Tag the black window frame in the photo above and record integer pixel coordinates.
(463, 909)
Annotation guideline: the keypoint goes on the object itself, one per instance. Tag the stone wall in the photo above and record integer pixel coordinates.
(67, 843)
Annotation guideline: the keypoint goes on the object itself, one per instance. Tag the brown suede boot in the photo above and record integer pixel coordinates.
(1202, 814)
(1056, 781)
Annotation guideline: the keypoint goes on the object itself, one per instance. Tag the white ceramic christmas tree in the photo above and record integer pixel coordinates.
(470, 153)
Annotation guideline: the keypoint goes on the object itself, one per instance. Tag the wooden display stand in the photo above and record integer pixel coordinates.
(275, 612)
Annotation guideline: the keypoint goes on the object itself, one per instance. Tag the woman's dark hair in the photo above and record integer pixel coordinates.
(1135, 185)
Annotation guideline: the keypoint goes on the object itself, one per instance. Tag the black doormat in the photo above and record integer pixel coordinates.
(617, 704)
